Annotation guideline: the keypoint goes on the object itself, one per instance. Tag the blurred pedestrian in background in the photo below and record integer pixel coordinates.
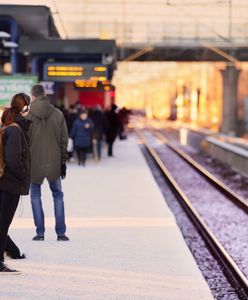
(71, 116)
(113, 126)
(123, 116)
(81, 134)
(99, 122)
(15, 180)
(48, 140)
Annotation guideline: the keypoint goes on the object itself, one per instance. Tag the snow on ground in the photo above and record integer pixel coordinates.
(124, 243)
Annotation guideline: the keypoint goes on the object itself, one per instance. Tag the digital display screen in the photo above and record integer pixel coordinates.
(66, 72)
(91, 84)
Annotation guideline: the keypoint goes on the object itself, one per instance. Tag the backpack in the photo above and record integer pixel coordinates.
(2, 162)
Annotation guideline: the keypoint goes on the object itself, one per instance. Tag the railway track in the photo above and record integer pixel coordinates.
(231, 269)
(234, 197)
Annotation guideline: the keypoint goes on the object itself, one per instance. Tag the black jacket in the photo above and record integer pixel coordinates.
(100, 123)
(113, 125)
(16, 178)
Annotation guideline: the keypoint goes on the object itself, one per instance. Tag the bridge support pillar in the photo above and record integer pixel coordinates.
(229, 102)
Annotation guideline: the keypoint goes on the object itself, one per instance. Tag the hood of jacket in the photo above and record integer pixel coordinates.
(22, 122)
(42, 108)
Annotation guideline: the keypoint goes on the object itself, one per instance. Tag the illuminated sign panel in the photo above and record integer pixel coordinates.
(91, 84)
(65, 72)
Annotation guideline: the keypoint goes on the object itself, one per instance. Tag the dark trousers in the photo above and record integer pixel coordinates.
(11, 249)
(8, 205)
(69, 155)
(99, 148)
(82, 154)
(110, 146)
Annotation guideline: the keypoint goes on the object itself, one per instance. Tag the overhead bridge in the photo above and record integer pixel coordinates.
(185, 51)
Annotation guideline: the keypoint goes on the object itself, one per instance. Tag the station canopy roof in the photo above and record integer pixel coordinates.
(35, 21)
(151, 22)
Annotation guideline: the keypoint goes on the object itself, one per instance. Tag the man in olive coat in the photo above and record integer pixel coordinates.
(48, 140)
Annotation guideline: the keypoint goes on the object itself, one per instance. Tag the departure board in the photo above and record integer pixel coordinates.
(66, 72)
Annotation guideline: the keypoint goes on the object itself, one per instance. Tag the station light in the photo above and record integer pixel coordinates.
(64, 68)
(6, 44)
(100, 69)
(100, 78)
(7, 68)
(9, 44)
(64, 73)
(85, 84)
(101, 85)
(107, 59)
(4, 35)
(6, 49)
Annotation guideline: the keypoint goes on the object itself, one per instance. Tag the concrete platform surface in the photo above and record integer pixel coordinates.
(124, 242)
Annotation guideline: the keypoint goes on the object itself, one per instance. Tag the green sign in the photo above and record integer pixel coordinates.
(11, 85)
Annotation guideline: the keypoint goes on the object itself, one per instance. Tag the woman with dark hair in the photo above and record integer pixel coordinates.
(16, 178)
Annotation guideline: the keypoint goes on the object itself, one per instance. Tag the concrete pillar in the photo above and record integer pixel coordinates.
(15, 35)
(34, 66)
(229, 101)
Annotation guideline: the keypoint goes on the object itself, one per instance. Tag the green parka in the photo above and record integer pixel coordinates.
(48, 139)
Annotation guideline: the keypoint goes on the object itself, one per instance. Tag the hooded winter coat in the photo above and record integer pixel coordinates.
(80, 134)
(16, 178)
(48, 139)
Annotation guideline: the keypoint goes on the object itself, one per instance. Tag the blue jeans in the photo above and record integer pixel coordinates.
(38, 214)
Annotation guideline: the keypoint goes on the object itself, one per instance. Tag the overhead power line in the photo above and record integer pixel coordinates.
(60, 18)
(222, 37)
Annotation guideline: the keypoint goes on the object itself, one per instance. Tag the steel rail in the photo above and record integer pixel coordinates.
(235, 275)
(234, 197)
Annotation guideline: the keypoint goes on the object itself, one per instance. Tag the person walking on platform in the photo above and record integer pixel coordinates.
(70, 118)
(99, 122)
(81, 135)
(15, 180)
(48, 139)
(113, 125)
(123, 116)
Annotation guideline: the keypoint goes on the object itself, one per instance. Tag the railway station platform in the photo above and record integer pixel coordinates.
(124, 241)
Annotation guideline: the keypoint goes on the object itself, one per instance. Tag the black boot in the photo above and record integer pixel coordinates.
(62, 237)
(16, 256)
(12, 250)
(5, 270)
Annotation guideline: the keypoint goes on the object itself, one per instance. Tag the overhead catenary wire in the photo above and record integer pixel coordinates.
(182, 11)
(185, 7)
(227, 39)
(57, 12)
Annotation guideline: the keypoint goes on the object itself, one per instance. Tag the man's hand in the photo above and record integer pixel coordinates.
(63, 171)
